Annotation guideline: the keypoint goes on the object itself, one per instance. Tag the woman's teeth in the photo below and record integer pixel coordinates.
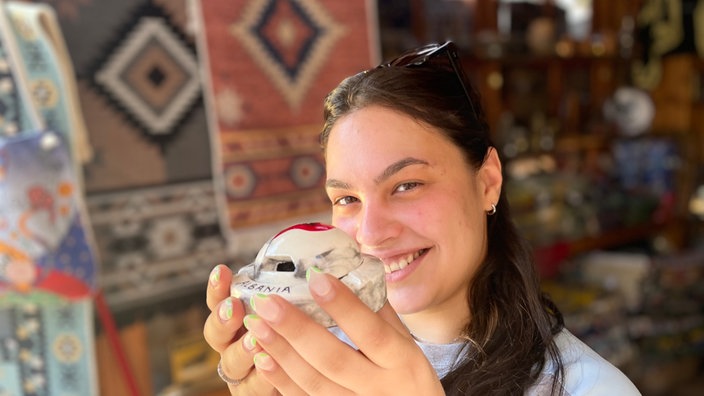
(402, 262)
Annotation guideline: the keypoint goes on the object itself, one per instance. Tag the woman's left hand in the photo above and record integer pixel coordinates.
(302, 357)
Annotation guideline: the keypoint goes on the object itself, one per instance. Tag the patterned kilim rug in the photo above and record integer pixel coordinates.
(268, 66)
(139, 88)
(46, 345)
(150, 72)
(148, 185)
(47, 262)
(156, 243)
(38, 90)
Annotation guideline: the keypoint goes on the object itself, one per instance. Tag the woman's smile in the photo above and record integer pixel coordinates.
(399, 267)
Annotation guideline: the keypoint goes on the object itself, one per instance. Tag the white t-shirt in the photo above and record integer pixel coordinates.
(586, 373)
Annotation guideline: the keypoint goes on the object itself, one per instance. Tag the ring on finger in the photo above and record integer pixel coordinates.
(227, 379)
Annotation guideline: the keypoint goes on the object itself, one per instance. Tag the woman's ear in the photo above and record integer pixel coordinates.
(491, 178)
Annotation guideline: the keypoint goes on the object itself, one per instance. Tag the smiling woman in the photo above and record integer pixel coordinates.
(414, 178)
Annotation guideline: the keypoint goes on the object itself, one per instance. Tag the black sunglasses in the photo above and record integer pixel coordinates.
(422, 55)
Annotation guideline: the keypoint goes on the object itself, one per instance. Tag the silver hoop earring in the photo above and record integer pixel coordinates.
(491, 211)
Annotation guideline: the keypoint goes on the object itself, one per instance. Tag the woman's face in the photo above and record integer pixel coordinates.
(405, 193)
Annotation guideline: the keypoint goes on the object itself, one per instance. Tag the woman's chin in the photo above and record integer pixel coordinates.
(405, 302)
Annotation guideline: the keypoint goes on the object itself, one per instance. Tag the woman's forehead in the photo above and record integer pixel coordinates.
(377, 125)
(370, 140)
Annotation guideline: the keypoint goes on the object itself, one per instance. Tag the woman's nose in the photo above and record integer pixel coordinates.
(376, 225)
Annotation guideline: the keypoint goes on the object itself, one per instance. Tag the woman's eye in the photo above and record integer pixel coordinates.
(407, 186)
(346, 200)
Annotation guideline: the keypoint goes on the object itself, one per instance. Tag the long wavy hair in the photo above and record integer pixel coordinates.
(513, 324)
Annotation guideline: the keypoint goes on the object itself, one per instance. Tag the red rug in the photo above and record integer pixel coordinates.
(268, 66)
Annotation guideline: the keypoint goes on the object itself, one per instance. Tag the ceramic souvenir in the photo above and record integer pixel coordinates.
(281, 264)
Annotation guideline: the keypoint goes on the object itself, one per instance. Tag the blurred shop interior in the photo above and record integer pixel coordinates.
(173, 135)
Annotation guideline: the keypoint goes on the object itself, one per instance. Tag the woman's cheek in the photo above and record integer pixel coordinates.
(345, 223)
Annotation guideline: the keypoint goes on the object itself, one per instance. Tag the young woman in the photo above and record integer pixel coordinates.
(413, 177)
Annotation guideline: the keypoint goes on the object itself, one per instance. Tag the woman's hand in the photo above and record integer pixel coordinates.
(301, 357)
(224, 333)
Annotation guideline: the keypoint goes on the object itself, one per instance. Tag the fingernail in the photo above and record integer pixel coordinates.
(249, 342)
(265, 306)
(259, 329)
(214, 277)
(225, 311)
(312, 269)
(248, 320)
(263, 361)
(318, 282)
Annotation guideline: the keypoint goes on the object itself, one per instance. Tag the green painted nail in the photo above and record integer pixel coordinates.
(314, 269)
(263, 361)
(225, 311)
(247, 319)
(258, 295)
(249, 341)
(215, 276)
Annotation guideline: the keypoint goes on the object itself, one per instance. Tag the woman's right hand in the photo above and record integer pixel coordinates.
(224, 332)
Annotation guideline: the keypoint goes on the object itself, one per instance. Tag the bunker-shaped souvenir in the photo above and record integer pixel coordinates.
(281, 264)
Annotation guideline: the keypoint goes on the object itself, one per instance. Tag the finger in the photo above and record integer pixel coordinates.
(222, 325)
(388, 313)
(381, 337)
(257, 385)
(218, 285)
(254, 384)
(237, 360)
(295, 343)
(268, 369)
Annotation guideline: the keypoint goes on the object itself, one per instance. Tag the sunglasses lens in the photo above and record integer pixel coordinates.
(424, 55)
(416, 57)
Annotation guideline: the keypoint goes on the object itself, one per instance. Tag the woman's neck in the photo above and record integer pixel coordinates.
(439, 325)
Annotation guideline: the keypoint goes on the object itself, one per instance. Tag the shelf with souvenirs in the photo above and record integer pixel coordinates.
(555, 78)
(602, 154)
(585, 169)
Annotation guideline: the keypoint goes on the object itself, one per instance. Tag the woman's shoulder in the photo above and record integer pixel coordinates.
(586, 372)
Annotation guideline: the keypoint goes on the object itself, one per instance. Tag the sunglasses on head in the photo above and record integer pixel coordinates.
(422, 55)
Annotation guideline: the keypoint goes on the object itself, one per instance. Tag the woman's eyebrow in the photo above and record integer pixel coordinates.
(397, 166)
(339, 184)
(388, 172)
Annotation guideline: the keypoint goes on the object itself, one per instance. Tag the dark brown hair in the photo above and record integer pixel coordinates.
(513, 324)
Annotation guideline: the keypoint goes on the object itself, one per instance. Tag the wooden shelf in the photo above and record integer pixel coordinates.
(528, 59)
(549, 257)
(616, 237)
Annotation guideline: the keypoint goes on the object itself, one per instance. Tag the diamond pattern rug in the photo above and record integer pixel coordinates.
(268, 66)
(139, 87)
(150, 72)
(149, 190)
